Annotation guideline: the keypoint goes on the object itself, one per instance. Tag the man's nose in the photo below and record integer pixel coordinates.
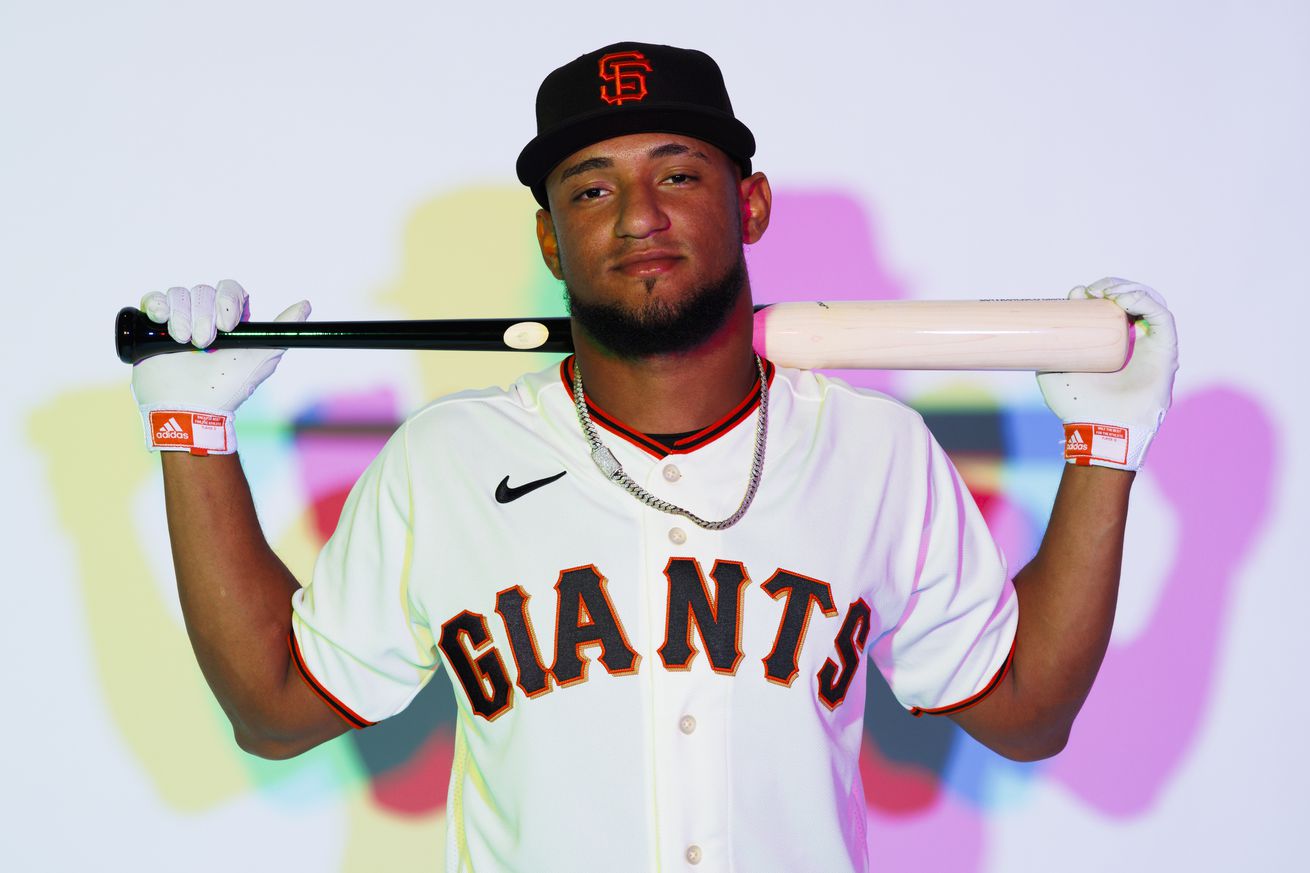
(640, 213)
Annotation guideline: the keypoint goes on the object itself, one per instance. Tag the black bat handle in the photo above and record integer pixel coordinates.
(136, 337)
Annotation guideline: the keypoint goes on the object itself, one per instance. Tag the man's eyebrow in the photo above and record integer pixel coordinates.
(669, 149)
(675, 148)
(586, 166)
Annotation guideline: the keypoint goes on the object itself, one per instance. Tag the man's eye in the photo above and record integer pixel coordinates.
(681, 178)
(590, 193)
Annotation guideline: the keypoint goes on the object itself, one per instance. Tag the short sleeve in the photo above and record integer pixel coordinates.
(950, 626)
(356, 636)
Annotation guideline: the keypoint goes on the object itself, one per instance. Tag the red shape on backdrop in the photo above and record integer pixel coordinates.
(419, 787)
(893, 787)
(326, 510)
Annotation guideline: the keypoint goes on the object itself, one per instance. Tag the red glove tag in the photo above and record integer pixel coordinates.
(197, 432)
(1084, 442)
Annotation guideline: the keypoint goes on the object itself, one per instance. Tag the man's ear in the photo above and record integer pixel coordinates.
(547, 241)
(756, 199)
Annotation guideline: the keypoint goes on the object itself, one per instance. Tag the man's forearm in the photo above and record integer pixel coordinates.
(1067, 597)
(235, 592)
(1067, 593)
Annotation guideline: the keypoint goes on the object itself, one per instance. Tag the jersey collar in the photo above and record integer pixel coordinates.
(683, 444)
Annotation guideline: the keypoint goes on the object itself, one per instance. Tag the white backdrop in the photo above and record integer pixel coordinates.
(362, 156)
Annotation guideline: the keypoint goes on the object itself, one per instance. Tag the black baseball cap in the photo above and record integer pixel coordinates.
(631, 87)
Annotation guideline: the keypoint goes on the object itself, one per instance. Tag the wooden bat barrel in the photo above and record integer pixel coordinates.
(1091, 336)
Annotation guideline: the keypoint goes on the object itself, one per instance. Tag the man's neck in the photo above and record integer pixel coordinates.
(677, 393)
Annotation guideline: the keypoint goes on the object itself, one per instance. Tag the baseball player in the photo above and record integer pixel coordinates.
(655, 573)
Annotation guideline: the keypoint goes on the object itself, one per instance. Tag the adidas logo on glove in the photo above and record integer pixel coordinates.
(1076, 443)
(172, 431)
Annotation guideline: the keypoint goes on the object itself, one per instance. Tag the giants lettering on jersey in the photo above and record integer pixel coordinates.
(587, 625)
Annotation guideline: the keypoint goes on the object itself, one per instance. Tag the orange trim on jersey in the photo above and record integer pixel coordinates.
(860, 639)
(789, 593)
(584, 659)
(485, 678)
(968, 702)
(748, 404)
(354, 719)
(690, 443)
(691, 619)
(547, 687)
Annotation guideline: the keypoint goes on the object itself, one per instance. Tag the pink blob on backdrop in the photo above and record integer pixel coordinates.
(935, 829)
(336, 441)
(820, 246)
(1152, 693)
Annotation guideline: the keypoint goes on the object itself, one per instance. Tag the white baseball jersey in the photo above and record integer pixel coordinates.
(635, 692)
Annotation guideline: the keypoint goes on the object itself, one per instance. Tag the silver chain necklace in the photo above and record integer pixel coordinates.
(613, 470)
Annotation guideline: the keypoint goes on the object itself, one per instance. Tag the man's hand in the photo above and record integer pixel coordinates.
(1111, 418)
(188, 399)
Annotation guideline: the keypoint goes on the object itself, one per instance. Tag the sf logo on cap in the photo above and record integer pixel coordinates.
(625, 77)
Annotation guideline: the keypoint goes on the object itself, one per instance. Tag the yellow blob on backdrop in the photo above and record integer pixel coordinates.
(470, 253)
(473, 254)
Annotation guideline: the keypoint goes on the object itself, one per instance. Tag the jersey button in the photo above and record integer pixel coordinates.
(671, 473)
(677, 536)
(687, 724)
(693, 854)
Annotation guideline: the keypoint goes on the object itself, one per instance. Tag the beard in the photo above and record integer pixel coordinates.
(659, 327)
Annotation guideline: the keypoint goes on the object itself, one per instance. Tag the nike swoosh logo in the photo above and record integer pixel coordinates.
(505, 493)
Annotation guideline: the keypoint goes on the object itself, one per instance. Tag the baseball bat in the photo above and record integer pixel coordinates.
(1064, 335)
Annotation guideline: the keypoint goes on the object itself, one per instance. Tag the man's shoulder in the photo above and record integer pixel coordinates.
(830, 394)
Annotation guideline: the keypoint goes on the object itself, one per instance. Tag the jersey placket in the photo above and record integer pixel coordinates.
(688, 726)
(689, 705)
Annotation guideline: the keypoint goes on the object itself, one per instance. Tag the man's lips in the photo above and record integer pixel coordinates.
(649, 263)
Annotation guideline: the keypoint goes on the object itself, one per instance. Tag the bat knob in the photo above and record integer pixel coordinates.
(136, 337)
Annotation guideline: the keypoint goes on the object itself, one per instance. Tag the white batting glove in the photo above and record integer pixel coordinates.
(1111, 418)
(188, 399)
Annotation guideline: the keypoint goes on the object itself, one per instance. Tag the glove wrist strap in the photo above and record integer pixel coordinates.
(195, 430)
(1105, 445)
